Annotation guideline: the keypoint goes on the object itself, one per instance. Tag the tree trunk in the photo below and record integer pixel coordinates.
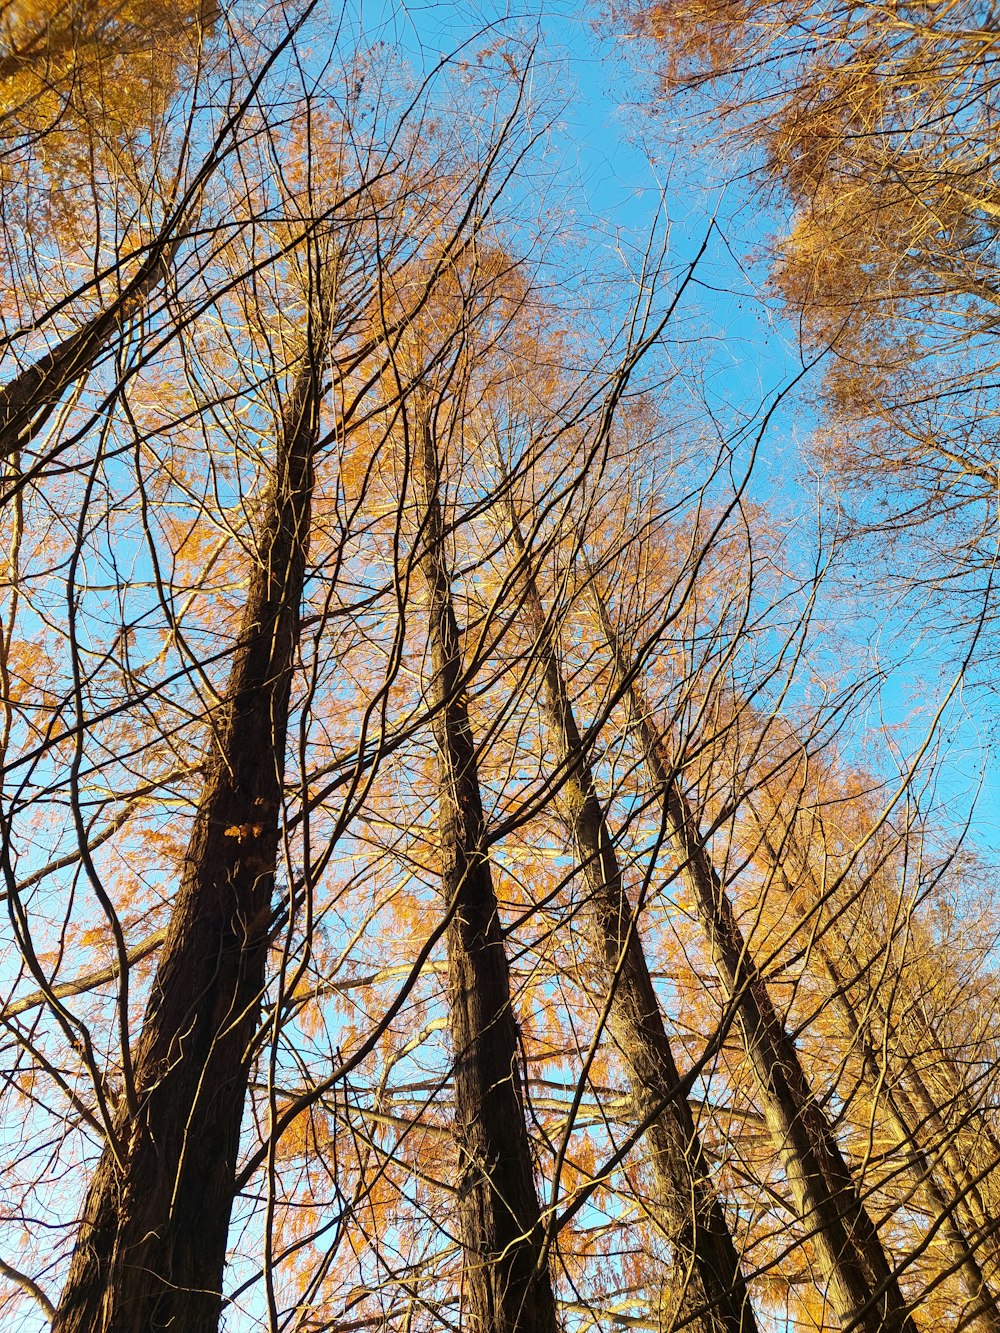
(984, 1308)
(506, 1289)
(963, 1162)
(152, 1243)
(710, 1292)
(861, 1285)
(27, 402)
(904, 1115)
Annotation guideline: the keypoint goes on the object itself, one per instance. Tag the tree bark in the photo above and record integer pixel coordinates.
(906, 1117)
(151, 1248)
(27, 402)
(861, 1285)
(506, 1288)
(710, 1294)
(984, 1308)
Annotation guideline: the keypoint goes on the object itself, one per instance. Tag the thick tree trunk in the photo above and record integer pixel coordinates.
(905, 1116)
(505, 1288)
(861, 1286)
(152, 1243)
(709, 1292)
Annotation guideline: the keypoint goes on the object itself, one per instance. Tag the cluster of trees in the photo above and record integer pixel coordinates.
(876, 125)
(440, 891)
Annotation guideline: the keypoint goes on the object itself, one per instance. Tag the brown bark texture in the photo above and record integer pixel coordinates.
(709, 1292)
(910, 1109)
(506, 1287)
(861, 1285)
(151, 1247)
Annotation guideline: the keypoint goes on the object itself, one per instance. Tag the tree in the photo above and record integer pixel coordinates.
(876, 124)
(28, 400)
(397, 944)
(878, 1027)
(152, 1242)
(508, 1288)
(861, 1283)
(711, 1292)
(505, 1274)
(91, 75)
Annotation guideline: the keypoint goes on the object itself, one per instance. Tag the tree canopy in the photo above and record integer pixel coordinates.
(465, 868)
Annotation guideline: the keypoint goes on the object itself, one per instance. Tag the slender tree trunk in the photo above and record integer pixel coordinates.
(962, 1177)
(861, 1285)
(895, 1102)
(905, 1116)
(963, 1162)
(506, 1288)
(27, 402)
(710, 1293)
(152, 1243)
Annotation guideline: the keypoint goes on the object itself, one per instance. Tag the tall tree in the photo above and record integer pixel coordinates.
(153, 1238)
(881, 1032)
(861, 1283)
(505, 1276)
(707, 1291)
(877, 124)
(29, 399)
